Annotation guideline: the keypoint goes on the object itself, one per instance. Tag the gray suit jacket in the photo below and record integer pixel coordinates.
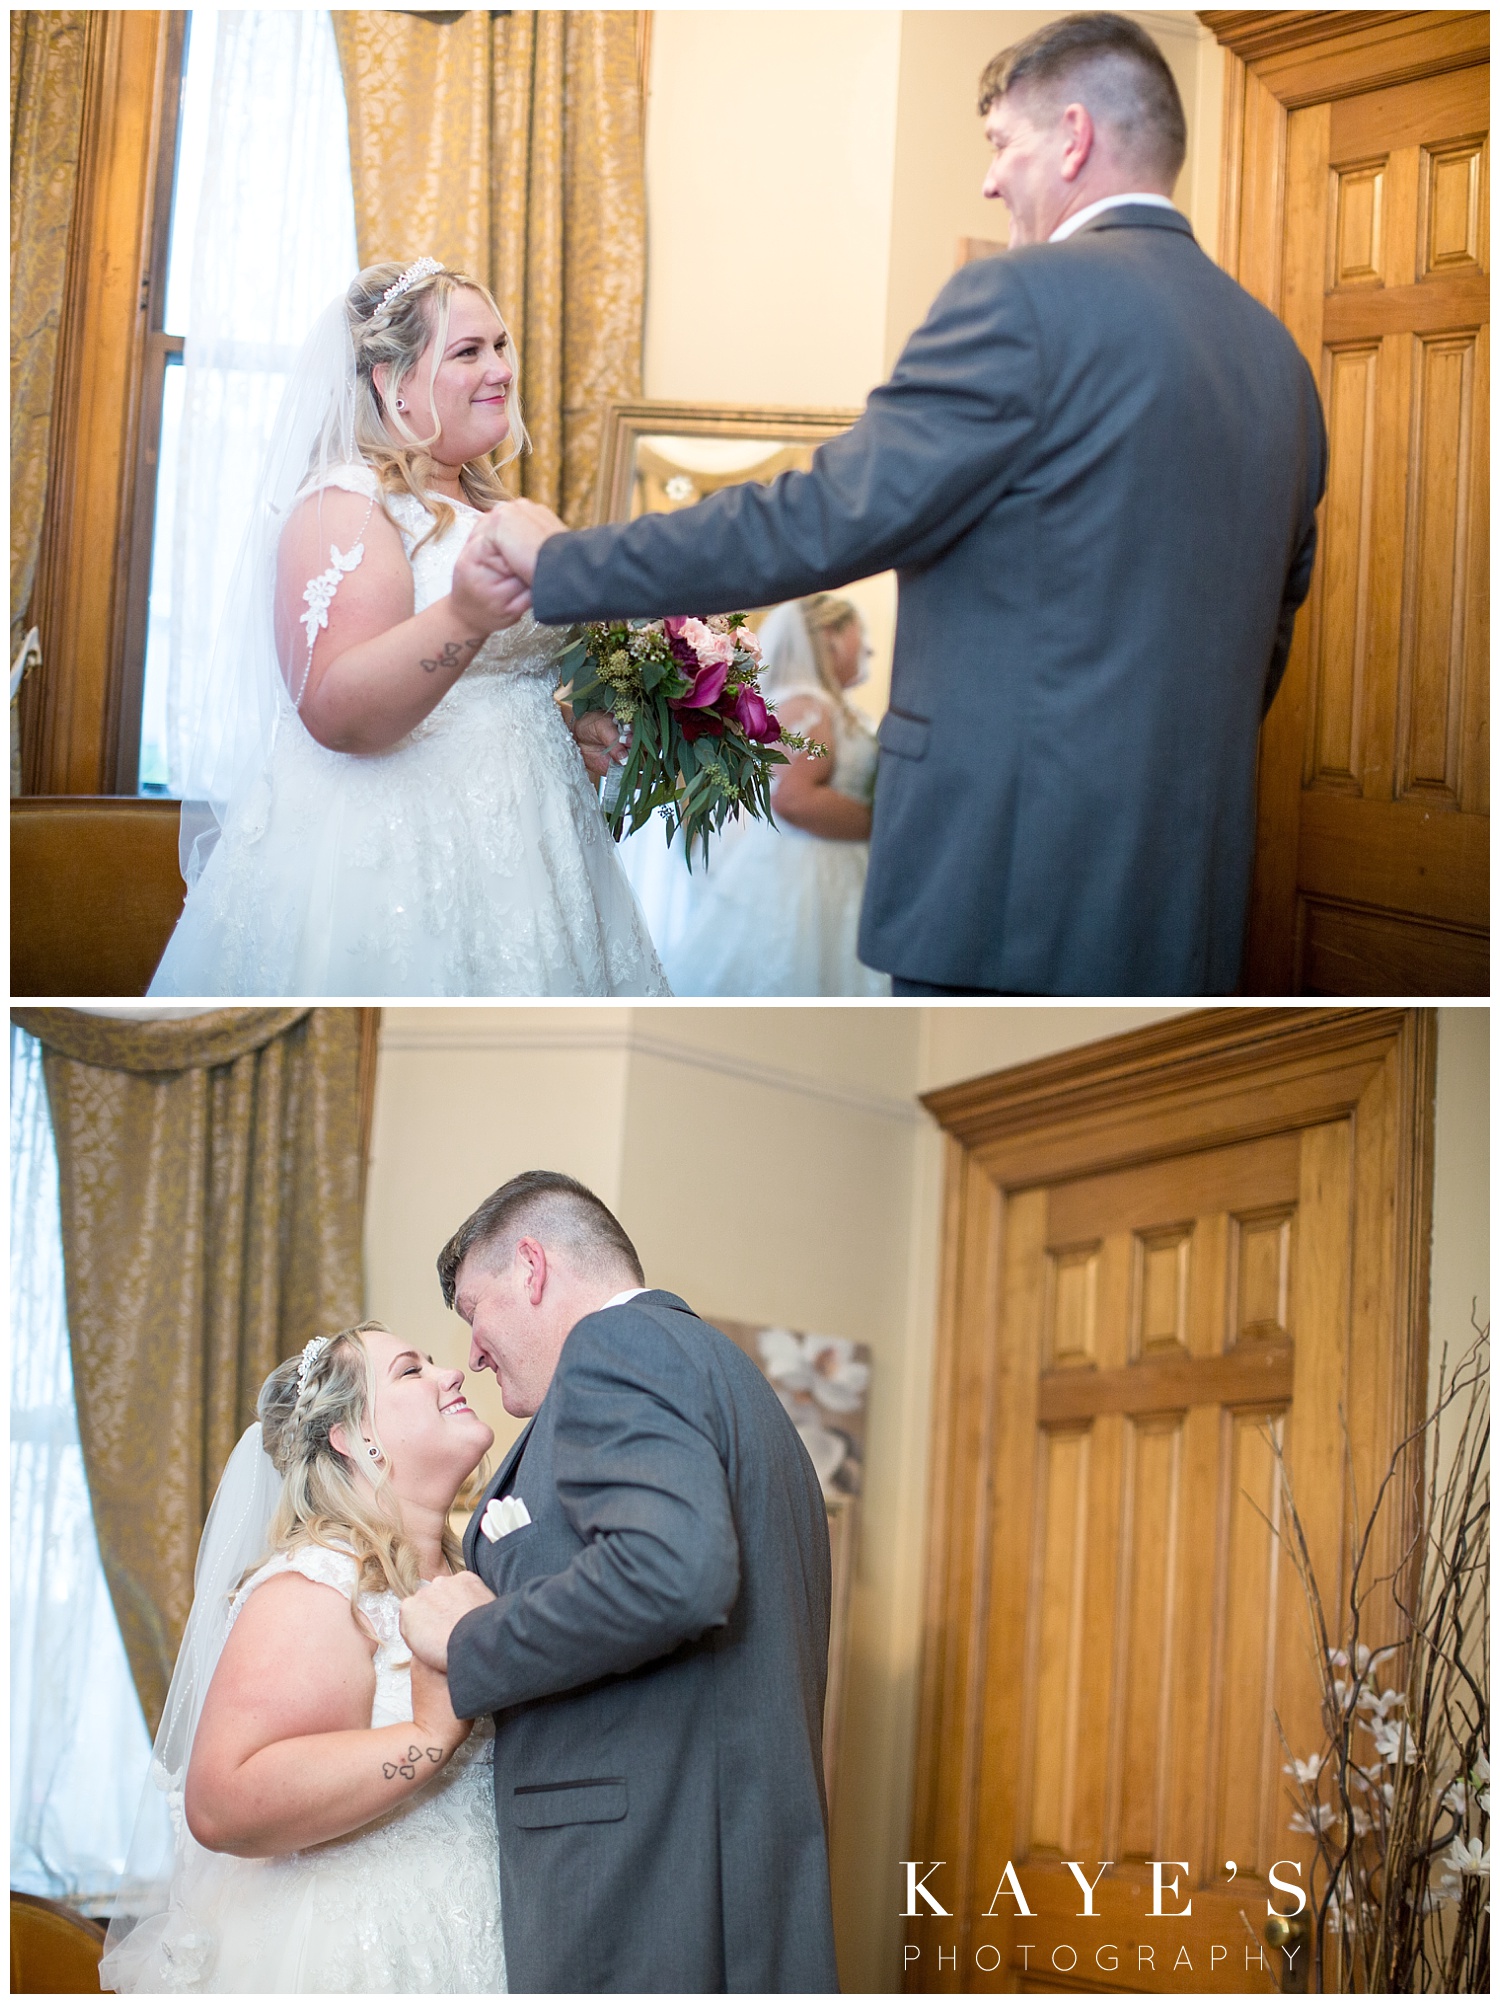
(1095, 469)
(656, 1659)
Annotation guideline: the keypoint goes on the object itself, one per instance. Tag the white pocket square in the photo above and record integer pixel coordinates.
(502, 1515)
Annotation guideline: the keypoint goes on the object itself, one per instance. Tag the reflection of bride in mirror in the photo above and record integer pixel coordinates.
(778, 913)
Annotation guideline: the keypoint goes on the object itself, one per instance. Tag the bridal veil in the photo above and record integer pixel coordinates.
(243, 697)
(234, 1540)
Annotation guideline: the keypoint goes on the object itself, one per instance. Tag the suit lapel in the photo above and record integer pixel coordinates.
(495, 1487)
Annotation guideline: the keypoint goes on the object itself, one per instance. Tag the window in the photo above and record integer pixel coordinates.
(79, 1746)
(255, 232)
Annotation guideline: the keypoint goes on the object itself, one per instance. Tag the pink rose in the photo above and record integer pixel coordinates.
(749, 640)
(712, 649)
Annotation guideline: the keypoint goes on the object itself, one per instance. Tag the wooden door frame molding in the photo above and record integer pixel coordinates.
(70, 721)
(1281, 46)
(1254, 31)
(1202, 1080)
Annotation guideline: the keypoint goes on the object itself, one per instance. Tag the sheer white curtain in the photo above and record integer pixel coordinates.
(79, 1747)
(265, 190)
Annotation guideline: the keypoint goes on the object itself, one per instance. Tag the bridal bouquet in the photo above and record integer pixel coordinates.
(685, 694)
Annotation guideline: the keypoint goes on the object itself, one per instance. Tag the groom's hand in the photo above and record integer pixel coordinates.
(517, 531)
(429, 1616)
(501, 556)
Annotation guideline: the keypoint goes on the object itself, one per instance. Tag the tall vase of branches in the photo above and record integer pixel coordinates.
(1397, 1799)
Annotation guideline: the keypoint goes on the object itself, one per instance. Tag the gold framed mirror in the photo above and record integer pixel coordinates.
(657, 457)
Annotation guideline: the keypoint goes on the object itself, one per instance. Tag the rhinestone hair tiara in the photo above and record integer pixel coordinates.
(413, 274)
(311, 1351)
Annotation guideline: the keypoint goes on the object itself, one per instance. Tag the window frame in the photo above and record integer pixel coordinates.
(161, 352)
(77, 722)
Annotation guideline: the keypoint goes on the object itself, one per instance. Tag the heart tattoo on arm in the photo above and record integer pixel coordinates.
(450, 655)
(407, 1768)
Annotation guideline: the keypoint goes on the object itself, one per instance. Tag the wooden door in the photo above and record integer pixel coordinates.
(1358, 209)
(1161, 1253)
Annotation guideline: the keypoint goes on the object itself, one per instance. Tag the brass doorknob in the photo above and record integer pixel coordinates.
(1290, 1938)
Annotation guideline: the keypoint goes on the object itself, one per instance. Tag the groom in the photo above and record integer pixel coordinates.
(1095, 468)
(646, 1615)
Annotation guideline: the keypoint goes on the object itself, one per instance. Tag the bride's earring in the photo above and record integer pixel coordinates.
(374, 1452)
(399, 405)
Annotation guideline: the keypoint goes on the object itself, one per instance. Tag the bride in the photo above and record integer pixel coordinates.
(333, 1820)
(385, 798)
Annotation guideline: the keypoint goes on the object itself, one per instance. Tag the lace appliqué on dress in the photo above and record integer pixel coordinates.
(318, 594)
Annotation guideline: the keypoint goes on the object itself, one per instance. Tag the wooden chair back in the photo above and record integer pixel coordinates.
(52, 1949)
(94, 893)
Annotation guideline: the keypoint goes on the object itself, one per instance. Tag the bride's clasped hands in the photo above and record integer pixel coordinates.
(395, 804)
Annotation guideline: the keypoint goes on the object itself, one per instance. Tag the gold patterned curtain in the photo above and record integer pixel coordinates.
(46, 122)
(210, 1174)
(510, 146)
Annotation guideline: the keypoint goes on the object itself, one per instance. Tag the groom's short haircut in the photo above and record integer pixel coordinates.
(1111, 65)
(558, 1212)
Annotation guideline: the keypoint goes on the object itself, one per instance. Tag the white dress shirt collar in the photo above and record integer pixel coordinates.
(1076, 222)
(626, 1294)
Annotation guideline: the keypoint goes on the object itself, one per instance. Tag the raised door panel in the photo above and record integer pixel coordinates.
(1441, 672)
(1341, 661)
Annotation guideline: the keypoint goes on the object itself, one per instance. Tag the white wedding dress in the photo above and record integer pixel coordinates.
(409, 1904)
(778, 909)
(469, 859)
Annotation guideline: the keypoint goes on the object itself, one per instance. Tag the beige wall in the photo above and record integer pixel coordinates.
(1461, 1185)
(941, 156)
(769, 149)
(772, 1163)
(808, 175)
(754, 1154)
